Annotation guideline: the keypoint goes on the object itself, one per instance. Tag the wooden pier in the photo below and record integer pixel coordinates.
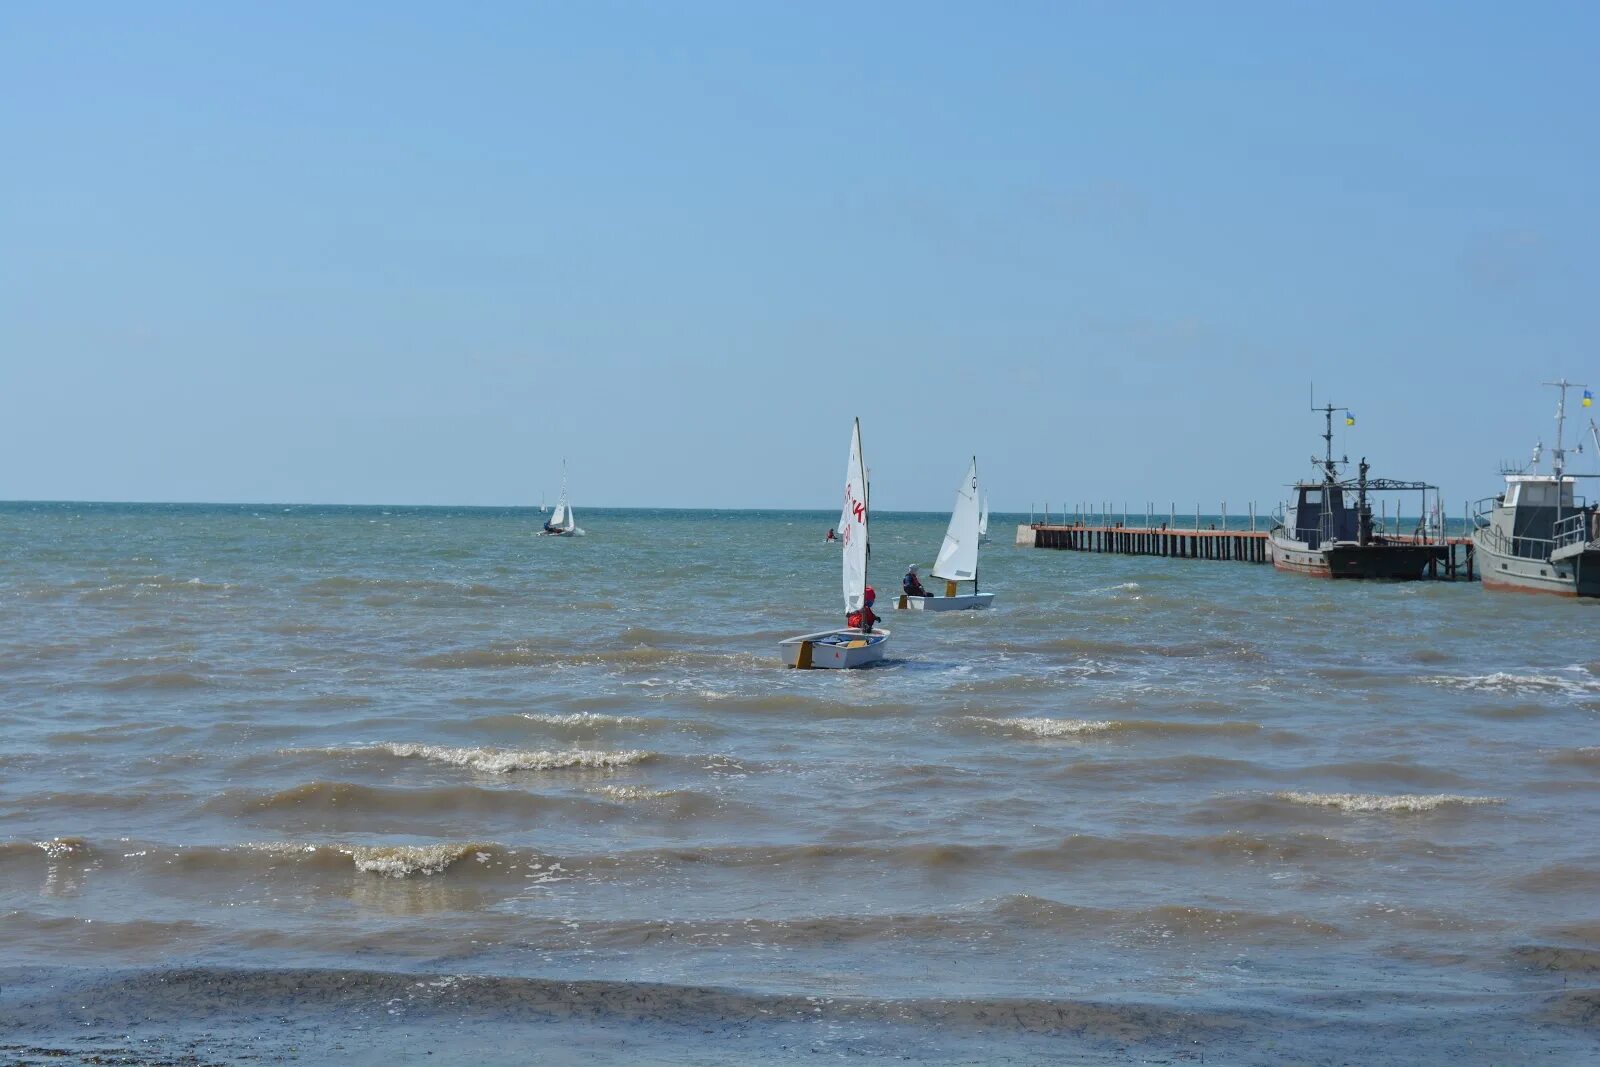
(1244, 546)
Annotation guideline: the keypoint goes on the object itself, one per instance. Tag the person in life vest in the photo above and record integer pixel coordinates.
(864, 618)
(911, 585)
(831, 535)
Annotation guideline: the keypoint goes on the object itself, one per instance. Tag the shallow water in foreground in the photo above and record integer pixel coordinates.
(269, 775)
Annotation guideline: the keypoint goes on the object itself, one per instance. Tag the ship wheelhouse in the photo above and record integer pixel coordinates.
(1529, 511)
(1320, 515)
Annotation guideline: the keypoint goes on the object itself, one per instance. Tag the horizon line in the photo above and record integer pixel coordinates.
(443, 507)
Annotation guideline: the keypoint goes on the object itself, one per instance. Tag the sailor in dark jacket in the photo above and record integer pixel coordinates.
(911, 585)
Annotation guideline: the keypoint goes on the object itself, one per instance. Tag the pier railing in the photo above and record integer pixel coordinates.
(1455, 558)
(1245, 546)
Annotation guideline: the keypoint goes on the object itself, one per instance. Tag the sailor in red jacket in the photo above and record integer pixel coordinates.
(865, 618)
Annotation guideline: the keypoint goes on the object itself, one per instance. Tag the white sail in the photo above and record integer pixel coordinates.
(853, 525)
(562, 518)
(983, 518)
(958, 556)
(572, 520)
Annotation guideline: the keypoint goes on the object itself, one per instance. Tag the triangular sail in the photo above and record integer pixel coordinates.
(958, 556)
(853, 525)
(560, 518)
(983, 518)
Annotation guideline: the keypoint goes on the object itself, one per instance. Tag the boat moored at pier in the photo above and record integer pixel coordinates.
(1329, 530)
(1539, 535)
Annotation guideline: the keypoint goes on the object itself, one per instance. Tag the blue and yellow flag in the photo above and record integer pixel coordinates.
(1349, 418)
(1588, 399)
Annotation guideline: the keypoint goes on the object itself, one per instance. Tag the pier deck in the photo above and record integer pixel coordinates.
(1244, 546)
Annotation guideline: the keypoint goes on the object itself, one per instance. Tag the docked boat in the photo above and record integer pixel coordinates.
(1329, 531)
(1539, 536)
(958, 555)
(562, 522)
(849, 646)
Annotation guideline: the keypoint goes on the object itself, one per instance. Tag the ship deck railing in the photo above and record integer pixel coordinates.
(1577, 529)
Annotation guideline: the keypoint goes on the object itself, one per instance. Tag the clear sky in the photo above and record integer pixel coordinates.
(410, 253)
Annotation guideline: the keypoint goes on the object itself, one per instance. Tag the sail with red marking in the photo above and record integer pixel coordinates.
(853, 525)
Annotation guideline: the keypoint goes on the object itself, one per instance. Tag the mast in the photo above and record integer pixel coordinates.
(1558, 455)
(1330, 473)
(1363, 509)
(980, 527)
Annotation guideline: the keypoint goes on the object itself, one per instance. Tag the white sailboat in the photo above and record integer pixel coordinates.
(848, 647)
(958, 556)
(562, 522)
(983, 522)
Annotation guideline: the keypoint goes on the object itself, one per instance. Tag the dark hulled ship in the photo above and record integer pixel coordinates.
(1329, 530)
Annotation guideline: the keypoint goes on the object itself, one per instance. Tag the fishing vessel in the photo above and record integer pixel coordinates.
(958, 555)
(1539, 536)
(562, 522)
(1329, 531)
(849, 646)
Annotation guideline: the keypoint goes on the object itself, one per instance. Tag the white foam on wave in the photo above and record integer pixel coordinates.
(632, 792)
(57, 847)
(504, 761)
(1048, 727)
(399, 861)
(390, 861)
(1375, 802)
(1522, 684)
(584, 718)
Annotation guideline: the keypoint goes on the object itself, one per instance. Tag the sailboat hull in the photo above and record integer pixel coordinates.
(834, 649)
(965, 602)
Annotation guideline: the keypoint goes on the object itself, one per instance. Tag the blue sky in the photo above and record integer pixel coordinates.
(407, 253)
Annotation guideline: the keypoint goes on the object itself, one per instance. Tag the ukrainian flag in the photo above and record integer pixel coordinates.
(1588, 399)
(1349, 418)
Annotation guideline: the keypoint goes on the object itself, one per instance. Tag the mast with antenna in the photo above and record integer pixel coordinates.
(1558, 454)
(1330, 473)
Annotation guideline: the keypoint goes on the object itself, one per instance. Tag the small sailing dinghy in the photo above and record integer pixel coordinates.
(958, 556)
(983, 522)
(847, 647)
(562, 523)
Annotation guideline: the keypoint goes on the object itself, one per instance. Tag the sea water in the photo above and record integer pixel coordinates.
(304, 782)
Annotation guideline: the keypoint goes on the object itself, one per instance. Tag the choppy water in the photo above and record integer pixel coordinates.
(353, 780)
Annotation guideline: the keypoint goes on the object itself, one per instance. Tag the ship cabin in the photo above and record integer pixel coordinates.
(1320, 516)
(1532, 504)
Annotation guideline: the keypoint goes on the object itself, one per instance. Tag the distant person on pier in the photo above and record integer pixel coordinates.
(911, 585)
(864, 618)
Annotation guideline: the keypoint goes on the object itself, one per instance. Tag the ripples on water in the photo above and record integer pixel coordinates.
(421, 766)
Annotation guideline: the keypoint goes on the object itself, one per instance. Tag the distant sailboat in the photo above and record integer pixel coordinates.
(563, 522)
(983, 522)
(958, 555)
(845, 647)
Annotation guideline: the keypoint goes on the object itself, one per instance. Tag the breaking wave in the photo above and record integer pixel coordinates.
(584, 718)
(1373, 802)
(1044, 727)
(497, 760)
(1573, 684)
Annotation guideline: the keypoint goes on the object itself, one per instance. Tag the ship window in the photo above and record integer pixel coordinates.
(1537, 494)
(1502, 566)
